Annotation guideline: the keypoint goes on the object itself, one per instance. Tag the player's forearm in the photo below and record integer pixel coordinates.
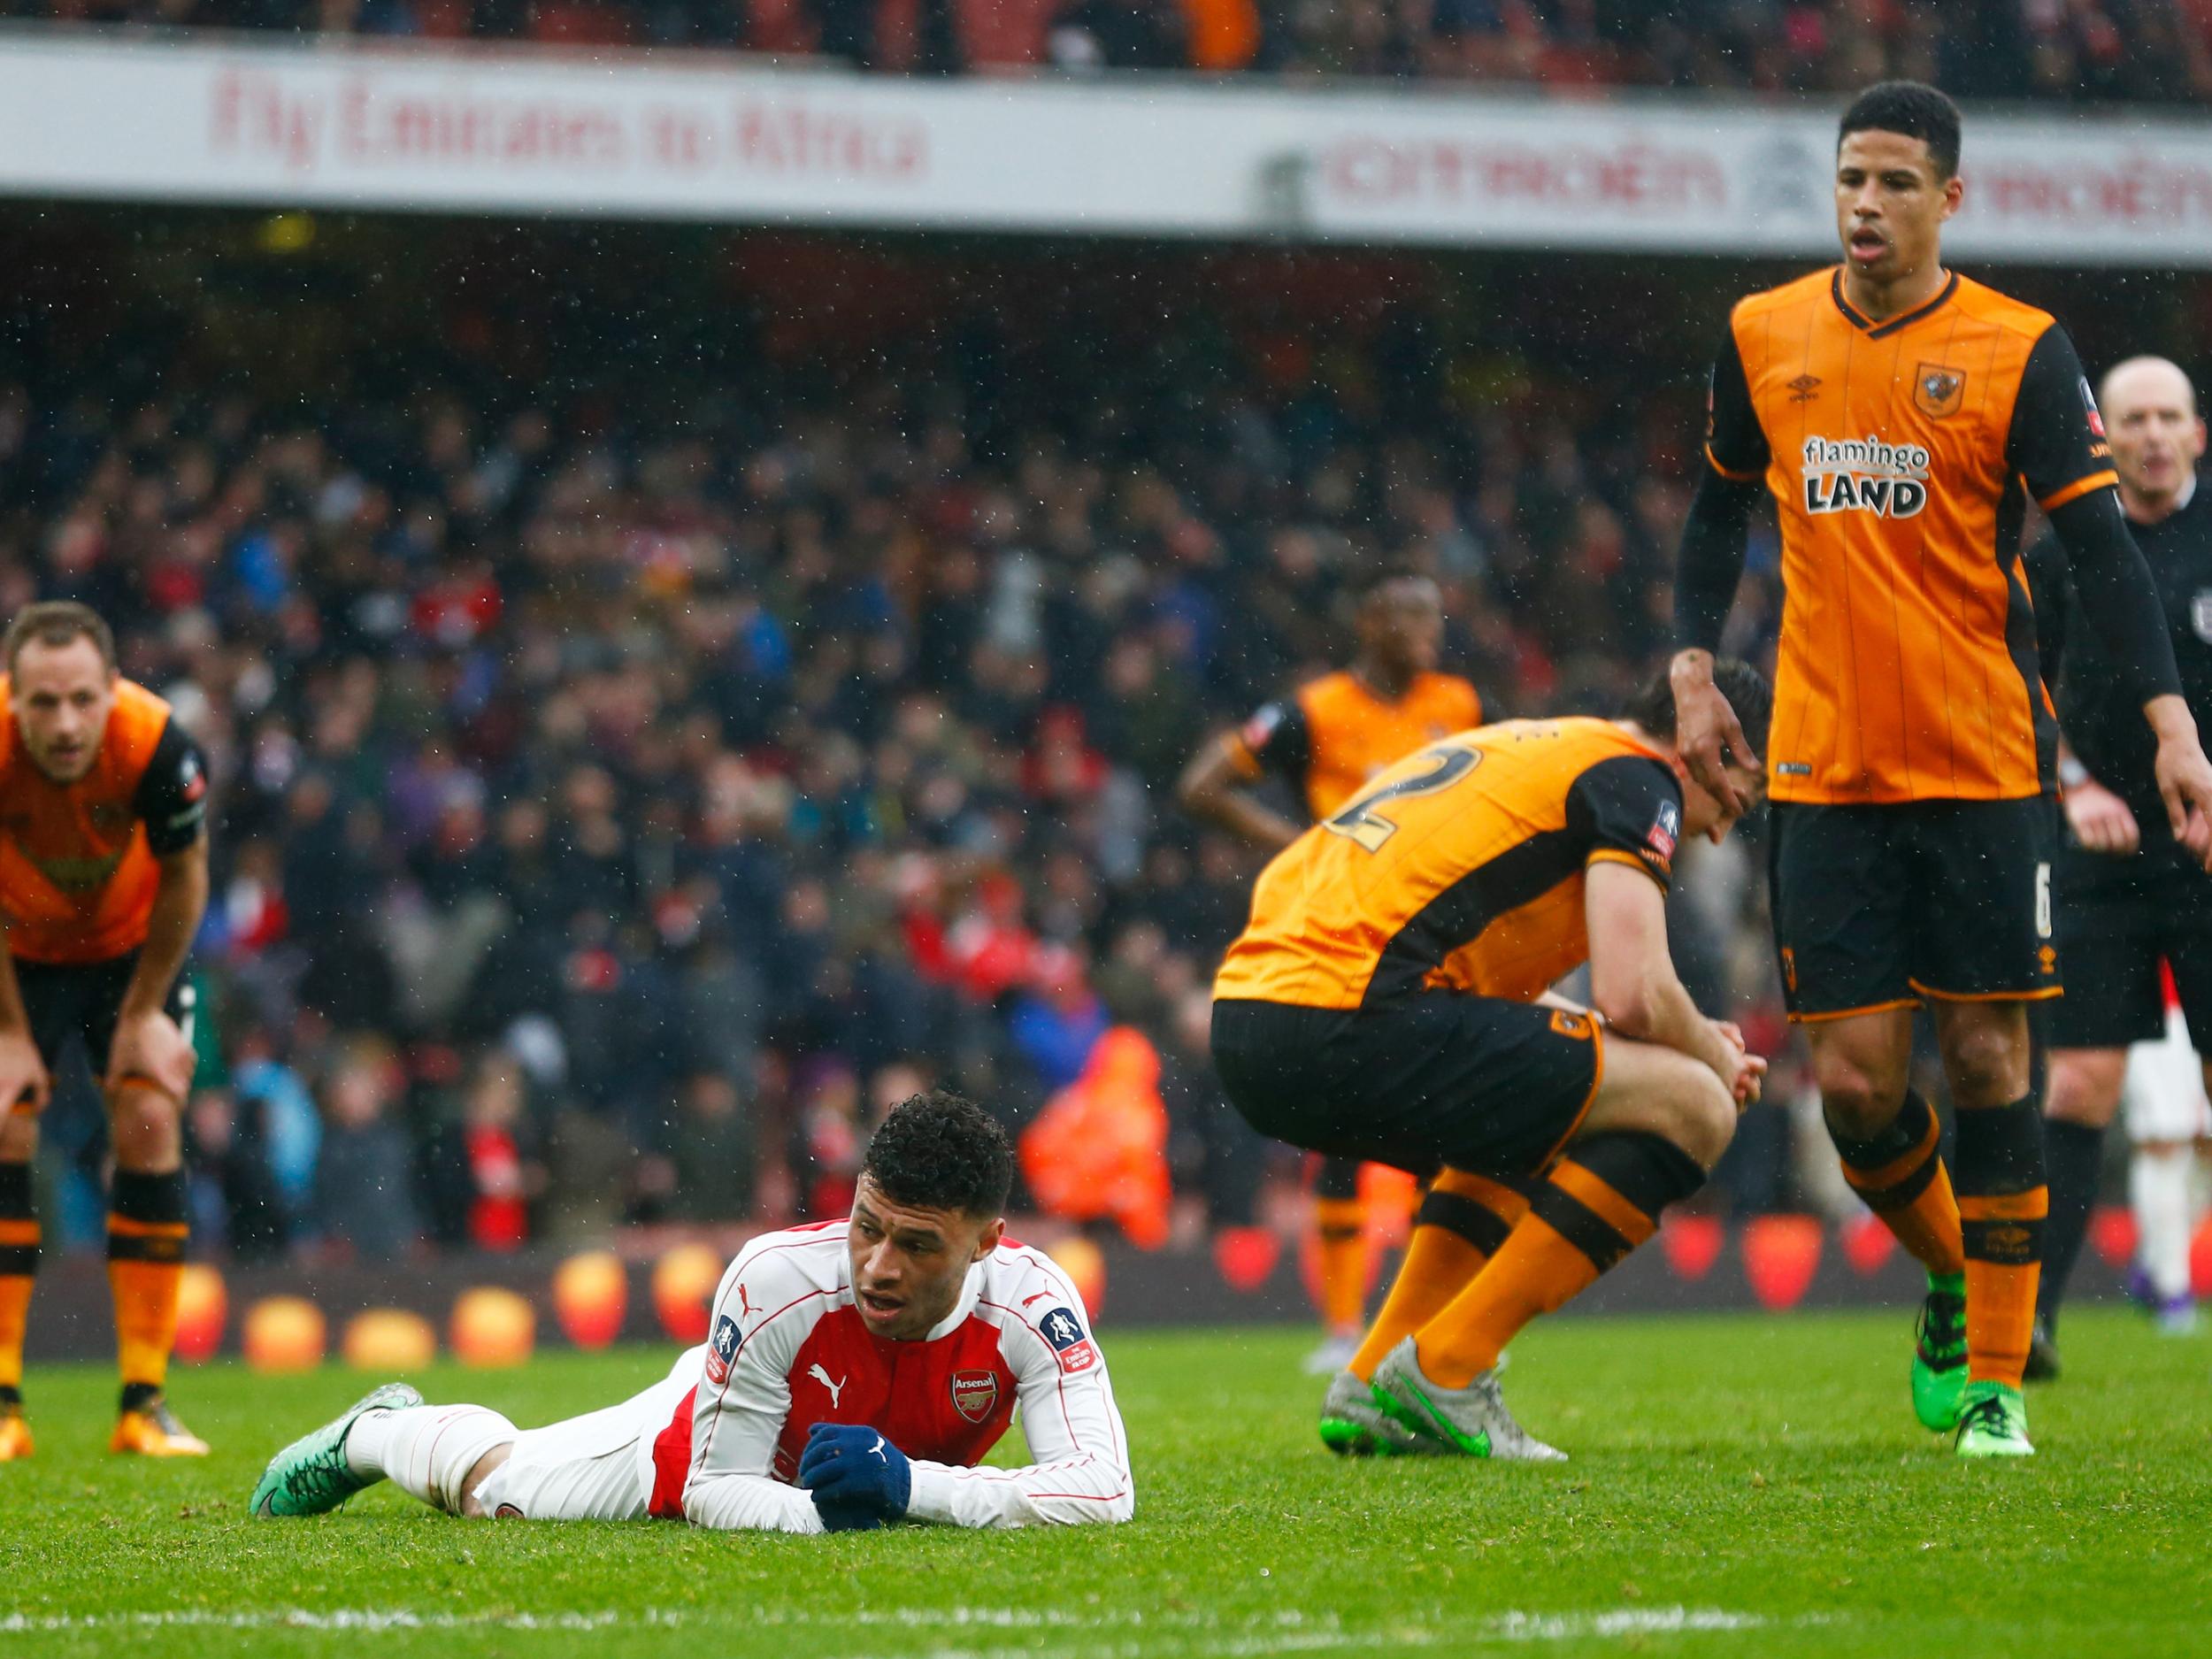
(178, 903)
(1208, 792)
(1711, 566)
(2117, 597)
(1664, 1013)
(2170, 719)
(1078, 1492)
(1248, 820)
(14, 1017)
(749, 1503)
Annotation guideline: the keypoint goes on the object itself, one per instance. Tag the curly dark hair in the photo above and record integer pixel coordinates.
(1910, 108)
(941, 1151)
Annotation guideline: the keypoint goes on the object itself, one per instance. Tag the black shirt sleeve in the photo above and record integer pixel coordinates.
(1735, 444)
(1710, 565)
(172, 795)
(2057, 441)
(1277, 740)
(1628, 808)
(2050, 591)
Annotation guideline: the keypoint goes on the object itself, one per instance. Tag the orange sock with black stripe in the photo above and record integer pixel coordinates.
(18, 1269)
(1900, 1176)
(146, 1237)
(1602, 1201)
(2003, 1204)
(1462, 1222)
(1340, 1223)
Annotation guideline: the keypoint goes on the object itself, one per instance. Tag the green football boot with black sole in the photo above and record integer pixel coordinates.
(1938, 1356)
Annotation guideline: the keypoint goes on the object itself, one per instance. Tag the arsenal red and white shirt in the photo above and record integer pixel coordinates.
(788, 1349)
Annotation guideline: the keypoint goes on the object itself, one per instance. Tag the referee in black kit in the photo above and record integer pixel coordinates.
(2125, 896)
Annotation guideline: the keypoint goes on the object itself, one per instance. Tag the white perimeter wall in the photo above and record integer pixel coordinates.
(679, 135)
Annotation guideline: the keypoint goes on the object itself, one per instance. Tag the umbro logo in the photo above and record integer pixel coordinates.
(1801, 388)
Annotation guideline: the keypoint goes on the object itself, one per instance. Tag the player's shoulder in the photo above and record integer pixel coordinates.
(1014, 1266)
(1815, 287)
(2001, 311)
(796, 1259)
(138, 719)
(1328, 694)
(1022, 1282)
(1024, 1289)
(1448, 692)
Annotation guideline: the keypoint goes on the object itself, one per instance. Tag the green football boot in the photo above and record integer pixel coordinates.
(1938, 1356)
(1472, 1421)
(1352, 1427)
(1993, 1422)
(310, 1477)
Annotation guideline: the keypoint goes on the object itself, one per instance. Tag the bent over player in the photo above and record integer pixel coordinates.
(1901, 416)
(1326, 741)
(1389, 999)
(103, 879)
(856, 1373)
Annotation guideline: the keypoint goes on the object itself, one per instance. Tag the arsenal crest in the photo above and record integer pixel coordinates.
(974, 1393)
(2201, 614)
(1938, 391)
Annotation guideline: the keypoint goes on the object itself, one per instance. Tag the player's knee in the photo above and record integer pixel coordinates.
(1854, 1099)
(2084, 1086)
(1986, 1062)
(1707, 1120)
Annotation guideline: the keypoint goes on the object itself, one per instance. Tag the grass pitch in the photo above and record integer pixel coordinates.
(1739, 1486)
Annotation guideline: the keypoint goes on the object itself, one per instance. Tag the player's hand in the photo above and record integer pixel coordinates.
(1706, 730)
(1743, 1071)
(852, 1472)
(2100, 820)
(150, 1052)
(2185, 783)
(24, 1084)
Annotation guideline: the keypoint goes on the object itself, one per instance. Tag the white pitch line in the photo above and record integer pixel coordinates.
(1287, 1631)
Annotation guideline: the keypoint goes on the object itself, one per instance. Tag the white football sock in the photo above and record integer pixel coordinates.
(2158, 1187)
(426, 1451)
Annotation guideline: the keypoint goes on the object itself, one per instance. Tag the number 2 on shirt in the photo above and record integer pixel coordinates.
(1360, 822)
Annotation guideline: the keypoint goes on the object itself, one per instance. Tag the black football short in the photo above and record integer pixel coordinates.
(2118, 919)
(1879, 907)
(1436, 1078)
(79, 1001)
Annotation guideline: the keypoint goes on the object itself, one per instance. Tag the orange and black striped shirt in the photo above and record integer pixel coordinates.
(80, 861)
(1900, 457)
(1460, 868)
(1334, 735)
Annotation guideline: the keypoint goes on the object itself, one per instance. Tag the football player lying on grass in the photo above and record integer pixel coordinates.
(855, 1372)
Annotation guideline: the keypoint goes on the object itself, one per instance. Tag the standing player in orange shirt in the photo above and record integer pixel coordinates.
(1902, 416)
(1326, 741)
(102, 881)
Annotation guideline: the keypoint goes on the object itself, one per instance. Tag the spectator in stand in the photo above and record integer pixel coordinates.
(505, 1175)
(364, 1199)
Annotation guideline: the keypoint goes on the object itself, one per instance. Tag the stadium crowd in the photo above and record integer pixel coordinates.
(619, 787)
(2060, 50)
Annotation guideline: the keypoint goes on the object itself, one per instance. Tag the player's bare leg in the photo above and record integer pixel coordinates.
(2080, 1102)
(19, 1268)
(1890, 1144)
(1658, 1124)
(2003, 1202)
(147, 1229)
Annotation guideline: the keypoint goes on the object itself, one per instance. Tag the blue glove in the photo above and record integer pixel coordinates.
(858, 1478)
